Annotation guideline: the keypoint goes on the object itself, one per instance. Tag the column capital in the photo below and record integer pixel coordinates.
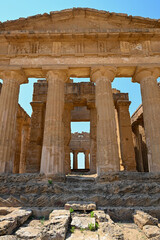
(57, 74)
(120, 103)
(145, 73)
(37, 105)
(105, 73)
(18, 76)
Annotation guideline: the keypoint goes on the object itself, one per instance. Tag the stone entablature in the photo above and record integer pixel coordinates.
(76, 94)
(80, 142)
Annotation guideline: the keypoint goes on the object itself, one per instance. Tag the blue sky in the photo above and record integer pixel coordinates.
(10, 9)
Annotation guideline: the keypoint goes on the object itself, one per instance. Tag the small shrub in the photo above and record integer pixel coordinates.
(92, 214)
(72, 229)
(42, 220)
(96, 226)
(91, 227)
(82, 229)
(71, 210)
(50, 181)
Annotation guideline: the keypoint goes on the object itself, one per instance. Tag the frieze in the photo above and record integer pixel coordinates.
(135, 47)
(82, 47)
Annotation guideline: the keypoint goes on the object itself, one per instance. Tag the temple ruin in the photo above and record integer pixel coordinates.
(59, 46)
(121, 175)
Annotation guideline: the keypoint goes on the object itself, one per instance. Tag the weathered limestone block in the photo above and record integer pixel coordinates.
(110, 230)
(101, 216)
(80, 206)
(7, 226)
(13, 220)
(8, 237)
(141, 219)
(57, 226)
(82, 222)
(61, 213)
(28, 233)
(151, 231)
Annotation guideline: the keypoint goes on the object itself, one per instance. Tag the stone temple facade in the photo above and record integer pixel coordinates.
(79, 43)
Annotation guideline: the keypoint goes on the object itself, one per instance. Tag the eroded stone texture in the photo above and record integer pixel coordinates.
(57, 226)
(11, 221)
(141, 219)
(82, 222)
(80, 206)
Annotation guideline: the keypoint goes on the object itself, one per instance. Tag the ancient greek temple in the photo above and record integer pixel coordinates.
(79, 43)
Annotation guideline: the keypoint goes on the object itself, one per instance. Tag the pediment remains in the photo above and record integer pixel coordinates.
(80, 20)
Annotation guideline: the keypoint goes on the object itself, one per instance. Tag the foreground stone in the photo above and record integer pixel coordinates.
(27, 232)
(101, 216)
(110, 231)
(81, 206)
(8, 237)
(151, 231)
(13, 220)
(83, 222)
(57, 226)
(141, 219)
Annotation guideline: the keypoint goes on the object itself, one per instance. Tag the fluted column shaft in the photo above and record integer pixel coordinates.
(147, 77)
(8, 111)
(34, 151)
(75, 160)
(24, 145)
(107, 147)
(52, 162)
(93, 138)
(126, 140)
(67, 137)
(87, 160)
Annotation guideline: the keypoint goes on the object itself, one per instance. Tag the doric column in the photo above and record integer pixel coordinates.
(87, 160)
(67, 136)
(24, 145)
(107, 147)
(34, 151)
(8, 110)
(93, 139)
(147, 77)
(75, 160)
(52, 161)
(126, 140)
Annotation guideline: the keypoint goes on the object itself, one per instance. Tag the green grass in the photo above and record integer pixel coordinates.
(92, 214)
(50, 181)
(72, 229)
(91, 227)
(71, 210)
(42, 220)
